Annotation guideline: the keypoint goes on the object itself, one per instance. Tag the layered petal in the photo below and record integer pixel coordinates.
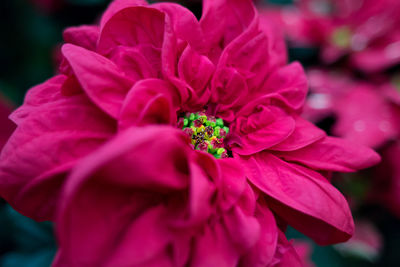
(85, 36)
(150, 101)
(100, 78)
(302, 197)
(52, 134)
(132, 191)
(262, 128)
(333, 154)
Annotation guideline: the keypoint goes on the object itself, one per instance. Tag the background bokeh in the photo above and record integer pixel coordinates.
(31, 34)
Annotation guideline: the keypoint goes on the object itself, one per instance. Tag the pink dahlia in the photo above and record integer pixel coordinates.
(366, 30)
(168, 141)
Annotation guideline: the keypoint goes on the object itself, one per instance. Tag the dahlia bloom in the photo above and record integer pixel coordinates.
(366, 30)
(177, 142)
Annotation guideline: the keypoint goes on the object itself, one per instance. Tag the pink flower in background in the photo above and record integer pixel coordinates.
(366, 30)
(366, 243)
(176, 142)
(365, 113)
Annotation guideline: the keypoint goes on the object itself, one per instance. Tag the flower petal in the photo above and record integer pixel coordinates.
(118, 5)
(132, 26)
(333, 154)
(302, 197)
(262, 253)
(99, 77)
(223, 21)
(267, 126)
(150, 101)
(123, 173)
(303, 135)
(233, 182)
(85, 36)
(44, 146)
(288, 85)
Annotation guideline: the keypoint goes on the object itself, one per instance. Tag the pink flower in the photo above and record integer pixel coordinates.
(140, 189)
(366, 30)
(366, 243)
(365, 113)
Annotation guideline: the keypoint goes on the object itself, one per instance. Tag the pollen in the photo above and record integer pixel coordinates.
(207, 133)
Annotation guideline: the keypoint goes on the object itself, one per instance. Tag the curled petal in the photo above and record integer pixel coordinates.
(130, 27)
(195, 69)
(304, 134)
(100, 78)
(288, 85)
(223, 21)
(264, 128)
(118, 5)
(84, 36)
(150, 101)
(262, 253)
(45, 145)
(333, 154)
(123, 173)
(304, 198)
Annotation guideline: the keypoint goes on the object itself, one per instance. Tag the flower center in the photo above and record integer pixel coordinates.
(207, 133)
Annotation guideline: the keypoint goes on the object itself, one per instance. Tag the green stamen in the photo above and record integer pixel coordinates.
(206, 133)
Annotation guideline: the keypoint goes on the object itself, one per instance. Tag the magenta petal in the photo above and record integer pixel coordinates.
(289, 83)
(119, 158)
(262, 129)
(149, 101)
(47, 92)
(99, 77)
(84, 36)
(44, 146)
(294, 193)
(146, 237)
(233, 182)
(118, 5)
(140, 62)
(224, 20)
(333, 154)
(262, 253)
(286, 254)
(123, 173)
(304, 134)
(214, 248)
(195, 69)
(228, 86)
(184, 24)
(201, 189)
(130, 27)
